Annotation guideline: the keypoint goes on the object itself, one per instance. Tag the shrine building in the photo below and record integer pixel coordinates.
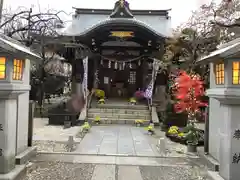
(114, 49)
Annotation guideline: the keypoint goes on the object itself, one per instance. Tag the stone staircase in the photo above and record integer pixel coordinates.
(119, 113)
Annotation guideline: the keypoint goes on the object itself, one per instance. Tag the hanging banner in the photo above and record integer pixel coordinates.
(149, 91)
(85, 77)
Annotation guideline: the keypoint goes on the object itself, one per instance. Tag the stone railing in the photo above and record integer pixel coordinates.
(89, 101)
(149, 103)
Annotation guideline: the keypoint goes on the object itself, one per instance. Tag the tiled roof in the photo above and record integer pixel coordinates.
(72, 31)
(225, 51)
(9, 43)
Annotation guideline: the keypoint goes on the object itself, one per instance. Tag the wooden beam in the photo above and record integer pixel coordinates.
(123, 48)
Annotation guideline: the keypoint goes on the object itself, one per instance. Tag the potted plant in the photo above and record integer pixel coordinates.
(176, 134)
(99, 93)
(192, 138)
(139, 122)
(133, 101)
(101, 101)
(86, 127)
(97, 120)
(188, 91)
(150, 129)
(173, 131)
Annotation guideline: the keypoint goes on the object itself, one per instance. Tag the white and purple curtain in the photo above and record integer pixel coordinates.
(149, 91)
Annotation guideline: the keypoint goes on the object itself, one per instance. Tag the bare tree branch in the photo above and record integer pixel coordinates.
(12, 18)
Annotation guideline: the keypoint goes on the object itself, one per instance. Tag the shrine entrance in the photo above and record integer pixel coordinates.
(118, 82)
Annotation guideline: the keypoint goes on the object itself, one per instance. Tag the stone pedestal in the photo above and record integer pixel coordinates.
(9, 129)
(229, 149)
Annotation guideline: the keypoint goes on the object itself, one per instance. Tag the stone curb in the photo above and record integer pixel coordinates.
(116, 155)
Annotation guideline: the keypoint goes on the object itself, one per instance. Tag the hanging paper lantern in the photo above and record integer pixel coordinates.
(130, 65)
(101, 62)
(124, 65)
(139, 62)
(116, 65)
(109, 64)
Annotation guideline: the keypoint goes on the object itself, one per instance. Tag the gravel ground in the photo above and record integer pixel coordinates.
(172, 173)
(70, 171)
(59, 171)
(51, 146)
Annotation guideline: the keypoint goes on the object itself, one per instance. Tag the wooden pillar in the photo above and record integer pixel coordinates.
(139, 75)
(78, 71)
(79, 76)
(144, 72)
(96, 73)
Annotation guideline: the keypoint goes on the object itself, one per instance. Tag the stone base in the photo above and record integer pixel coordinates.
(214, 175)
(212, 164)
(26, 155)
(16, 174)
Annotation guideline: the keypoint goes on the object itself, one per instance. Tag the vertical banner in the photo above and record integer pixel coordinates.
(83, 114)
(85, 77)
(149, 91)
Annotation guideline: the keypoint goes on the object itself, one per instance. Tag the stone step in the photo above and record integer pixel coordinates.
(72, 157)
(117, 121)
(119, 116)
(119, 111)
(121, 106)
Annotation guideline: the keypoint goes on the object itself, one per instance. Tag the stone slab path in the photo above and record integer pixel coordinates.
(117, 140)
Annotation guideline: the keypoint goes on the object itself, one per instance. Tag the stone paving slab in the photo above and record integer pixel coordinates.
(132, 172)
(104, 172)
(95, 159)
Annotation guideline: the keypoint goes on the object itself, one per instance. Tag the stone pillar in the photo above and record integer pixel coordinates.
(229, 148)
(23, 112)
(8, 127)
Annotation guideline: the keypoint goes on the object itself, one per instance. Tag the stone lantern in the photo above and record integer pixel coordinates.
(14, 105)
(224, 109)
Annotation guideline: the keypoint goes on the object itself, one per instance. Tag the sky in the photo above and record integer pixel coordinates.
(181, 9)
